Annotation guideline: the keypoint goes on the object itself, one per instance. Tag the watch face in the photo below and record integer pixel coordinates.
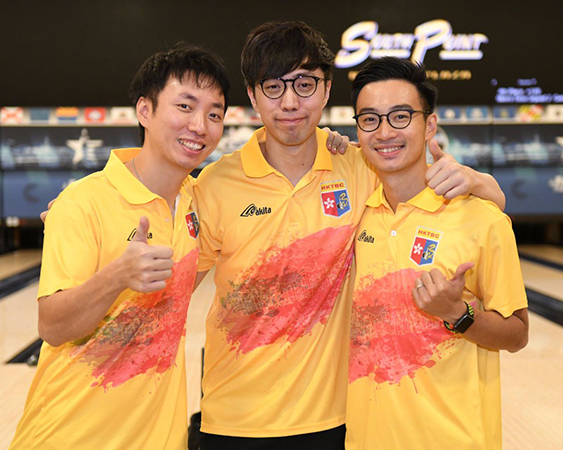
(464, 323)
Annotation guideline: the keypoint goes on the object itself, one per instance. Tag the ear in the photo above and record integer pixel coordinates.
(252, 97)
(328, 86)
(143, 110)
(431, 126)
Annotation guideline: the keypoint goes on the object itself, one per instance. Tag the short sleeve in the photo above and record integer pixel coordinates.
(209, 242)
(71, 247)
(500, 281)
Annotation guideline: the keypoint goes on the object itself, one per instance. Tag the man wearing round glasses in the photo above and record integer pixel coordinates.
(438, 288)
(278, 221)
(398, 119)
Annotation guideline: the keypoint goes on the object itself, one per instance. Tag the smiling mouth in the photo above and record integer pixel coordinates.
(388, 149)
(191, 145)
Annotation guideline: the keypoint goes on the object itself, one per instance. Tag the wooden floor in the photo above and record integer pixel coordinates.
(532, 385)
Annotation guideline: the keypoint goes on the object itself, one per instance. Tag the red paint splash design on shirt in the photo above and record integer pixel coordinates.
(390, 336)
(143, 333)
(287, 290)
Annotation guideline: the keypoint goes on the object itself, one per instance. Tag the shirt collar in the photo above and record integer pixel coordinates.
(426, 199)
(255, 165)
(123, 180)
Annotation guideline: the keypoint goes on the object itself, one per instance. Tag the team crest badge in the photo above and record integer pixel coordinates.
(334, 197)
(193, 224)
(425, 246)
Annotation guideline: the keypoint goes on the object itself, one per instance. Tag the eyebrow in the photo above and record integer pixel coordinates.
(193, 98)
(393, 108)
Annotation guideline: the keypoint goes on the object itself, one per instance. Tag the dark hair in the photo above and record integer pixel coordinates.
(391, 68)
(206, 68)
(276, 48)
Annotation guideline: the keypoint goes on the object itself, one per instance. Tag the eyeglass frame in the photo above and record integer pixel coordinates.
(292, 80)
(380, 116)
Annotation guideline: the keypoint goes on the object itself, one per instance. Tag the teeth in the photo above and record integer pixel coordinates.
(387, 150)
(191, 145)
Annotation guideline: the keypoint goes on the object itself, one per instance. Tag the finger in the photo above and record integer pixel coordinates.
(435, 150)
(440, 171)
(343, 143)
(160, 252)
(161, 264)
(50, 204)
(438, 279)
(355, 144)
(330, 140)
(159, 275)
(43, 215)
(428, 283)
(455, 192)
(142, 230)
(459, 276)
(442, 186)
(153, 286)
(433, 170)
(421, 297)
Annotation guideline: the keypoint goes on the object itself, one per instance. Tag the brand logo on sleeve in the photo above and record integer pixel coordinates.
(425, 246)
(193, 224)
(253, 210)
(334, 198)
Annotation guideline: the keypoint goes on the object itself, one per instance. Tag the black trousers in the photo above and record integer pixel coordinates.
(332, 439)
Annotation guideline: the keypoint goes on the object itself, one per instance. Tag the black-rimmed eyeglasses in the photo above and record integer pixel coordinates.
(303, 85)
(398, 119)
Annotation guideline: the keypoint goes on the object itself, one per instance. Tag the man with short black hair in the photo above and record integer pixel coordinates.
(119, 265)
(280, 230)
(438, 288)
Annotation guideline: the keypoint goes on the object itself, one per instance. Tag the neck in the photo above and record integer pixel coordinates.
(160, 179)
(294, 161)
(400, 187)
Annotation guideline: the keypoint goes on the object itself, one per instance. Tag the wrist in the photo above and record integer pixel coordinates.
(456, 312)
(462, 324)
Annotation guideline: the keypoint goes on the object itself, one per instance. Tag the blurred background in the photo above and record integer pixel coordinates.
(67, 68)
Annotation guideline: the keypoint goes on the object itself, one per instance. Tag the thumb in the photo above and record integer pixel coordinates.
(435, 150)
(459, 276)
(142, 230)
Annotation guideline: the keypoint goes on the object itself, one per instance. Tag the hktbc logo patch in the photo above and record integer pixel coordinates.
(193, 224)
(334, 197)
(425, 246)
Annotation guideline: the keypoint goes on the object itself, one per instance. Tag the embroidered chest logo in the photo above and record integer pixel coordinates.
(253, 210)
(334, 198)
(134, 232)
(425, 246)
(365, 237)
(193, 224)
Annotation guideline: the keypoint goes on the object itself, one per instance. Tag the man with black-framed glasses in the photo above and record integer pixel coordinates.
(438, 288)
(278, 220)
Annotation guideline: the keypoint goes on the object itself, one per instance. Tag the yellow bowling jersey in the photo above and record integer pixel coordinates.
(123, 386)
(277, 332)
(412, 383)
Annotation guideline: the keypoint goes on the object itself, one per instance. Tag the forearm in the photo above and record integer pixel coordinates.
(75, 313)
(199, 278)
(493, 331)
(485, 186)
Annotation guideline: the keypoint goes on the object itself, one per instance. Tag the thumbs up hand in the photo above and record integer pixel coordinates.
(144, 267)
(436, 295)
(446, 176)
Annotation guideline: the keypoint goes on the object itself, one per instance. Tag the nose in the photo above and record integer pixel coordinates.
(198, 123)
(289, 99)
(385, 131)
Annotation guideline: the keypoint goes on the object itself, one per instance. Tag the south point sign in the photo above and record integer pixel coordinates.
(362, 41)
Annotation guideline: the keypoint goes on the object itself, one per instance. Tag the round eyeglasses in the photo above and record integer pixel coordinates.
(303, 85)
(398, 119)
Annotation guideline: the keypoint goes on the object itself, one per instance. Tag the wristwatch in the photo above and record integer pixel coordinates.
(464, 322)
